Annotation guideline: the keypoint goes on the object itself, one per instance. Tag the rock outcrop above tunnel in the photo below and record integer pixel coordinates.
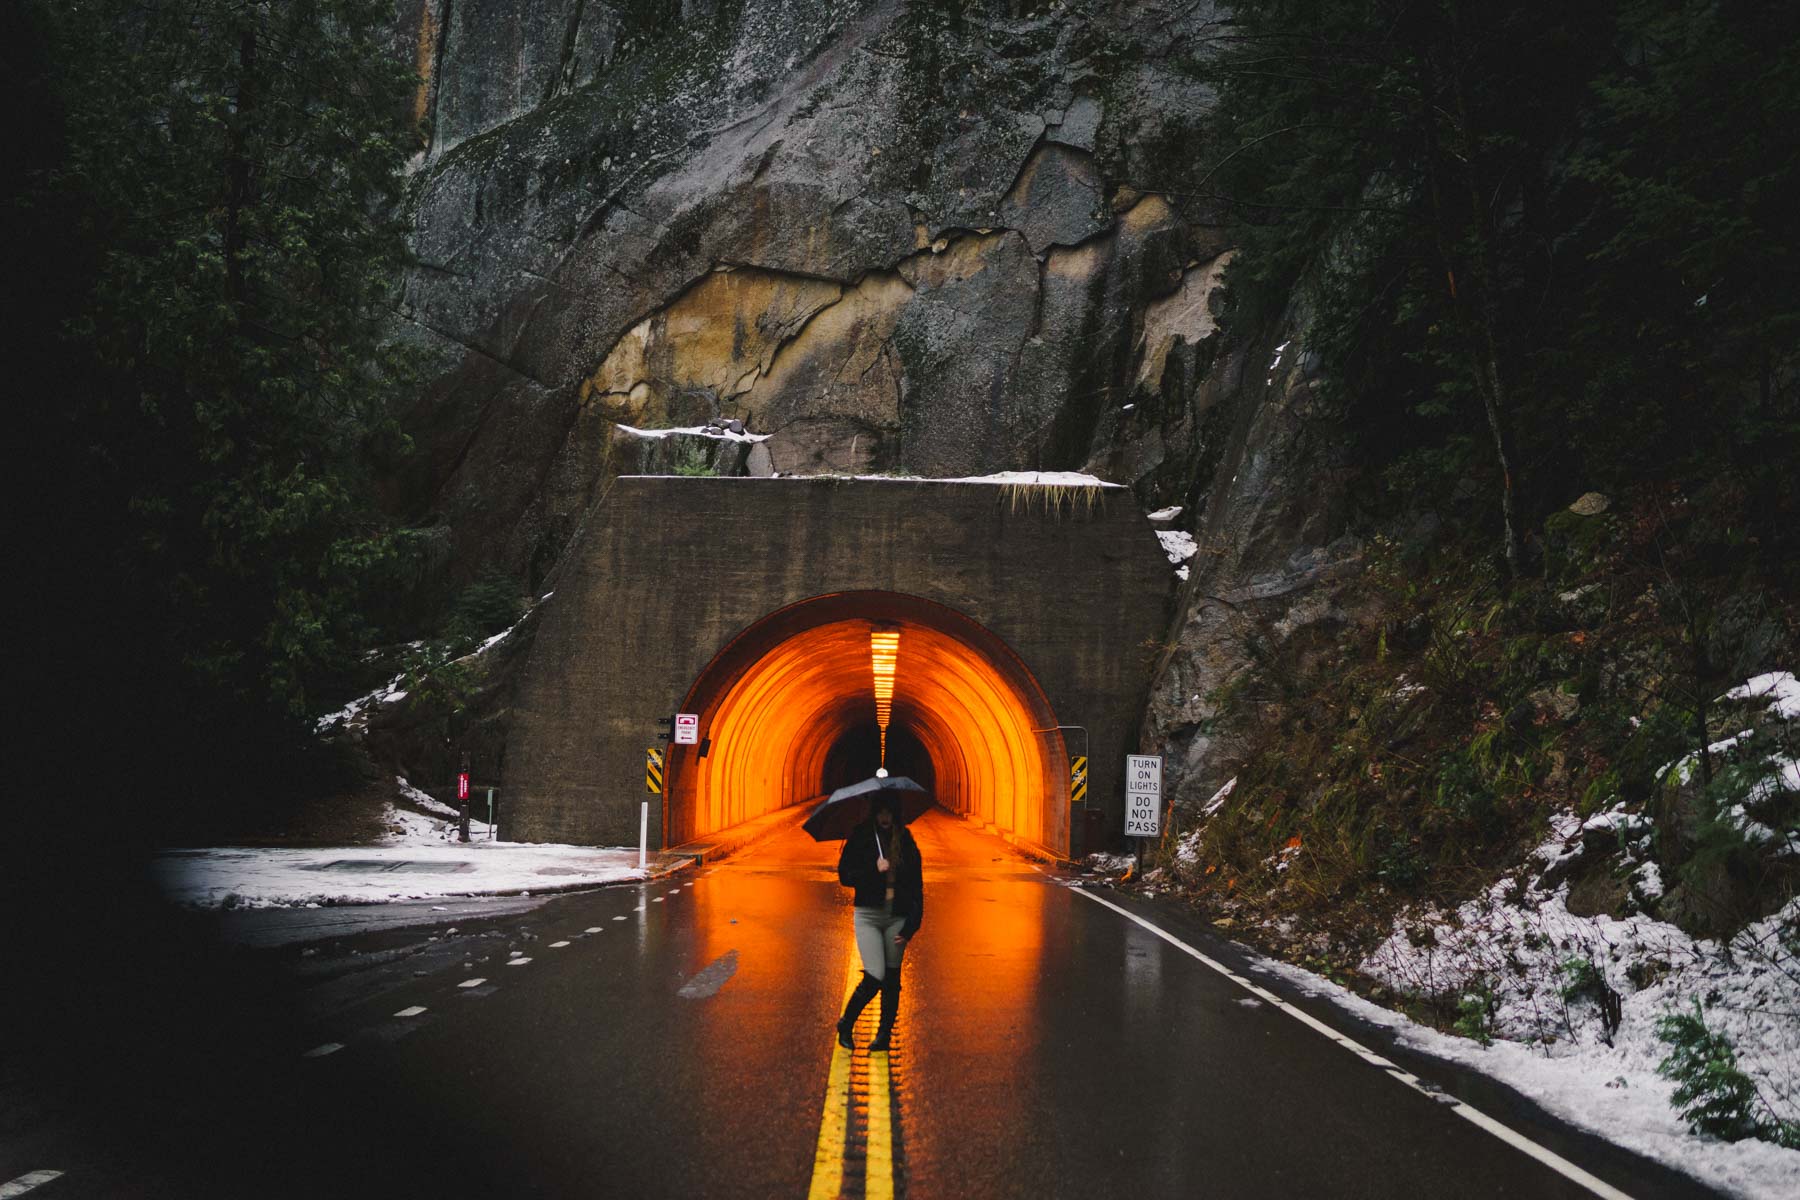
(897, 237)
(894, 238)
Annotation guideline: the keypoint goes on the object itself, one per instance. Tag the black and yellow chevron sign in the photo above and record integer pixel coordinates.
(653, 771)
(1078, 779)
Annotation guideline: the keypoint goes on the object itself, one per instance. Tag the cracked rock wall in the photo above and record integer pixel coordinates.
(893, 237)
(896, 237)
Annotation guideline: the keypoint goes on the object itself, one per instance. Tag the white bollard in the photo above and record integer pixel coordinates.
(643, 834)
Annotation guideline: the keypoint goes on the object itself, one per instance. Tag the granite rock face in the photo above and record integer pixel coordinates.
(893, 237)
(896, 237)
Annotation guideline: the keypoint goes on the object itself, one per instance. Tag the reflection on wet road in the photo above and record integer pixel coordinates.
(676, 1039)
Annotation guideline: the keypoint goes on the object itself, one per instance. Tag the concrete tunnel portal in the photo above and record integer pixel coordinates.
(756, 604)
(789, 712)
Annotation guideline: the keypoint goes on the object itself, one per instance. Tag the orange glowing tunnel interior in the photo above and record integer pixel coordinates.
(789, 712)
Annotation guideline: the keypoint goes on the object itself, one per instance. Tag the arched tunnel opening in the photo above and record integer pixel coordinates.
(789, 711)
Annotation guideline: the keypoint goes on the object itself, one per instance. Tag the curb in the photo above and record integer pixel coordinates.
(670, 864)
(740, 837)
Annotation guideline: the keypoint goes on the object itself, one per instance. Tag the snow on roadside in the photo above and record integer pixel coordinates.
(1615, 1091)
(276, 878)
(419, 858)
(1107, 863)
(1518, 944)
(439, 822)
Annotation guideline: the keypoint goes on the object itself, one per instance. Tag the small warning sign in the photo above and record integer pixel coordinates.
(1143, 795)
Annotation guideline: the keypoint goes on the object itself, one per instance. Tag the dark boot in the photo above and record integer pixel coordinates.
(866, 987)
(890, 1008)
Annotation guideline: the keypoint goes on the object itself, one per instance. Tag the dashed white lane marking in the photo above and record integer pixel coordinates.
(1474, 1116)
(654, 900)
(471, 983)
(639, 908)
(517, 962)
(557, 945)
(26, 1182)
(322, 1051)
(593, 929)
(414, 1011)
(621, 918)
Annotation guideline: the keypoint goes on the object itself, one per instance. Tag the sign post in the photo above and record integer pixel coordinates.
(462, 800)
(1143, 798)
(653, 783)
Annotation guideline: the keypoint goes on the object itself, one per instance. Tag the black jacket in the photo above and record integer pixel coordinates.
(856, 869)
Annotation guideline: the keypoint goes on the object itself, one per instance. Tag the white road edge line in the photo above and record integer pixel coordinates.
(1474, 1116)
(26, 1182)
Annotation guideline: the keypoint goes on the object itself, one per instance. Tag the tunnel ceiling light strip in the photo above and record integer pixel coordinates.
(884, 656)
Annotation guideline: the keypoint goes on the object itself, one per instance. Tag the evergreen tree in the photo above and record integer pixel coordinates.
(1402, 154)
(228, 178)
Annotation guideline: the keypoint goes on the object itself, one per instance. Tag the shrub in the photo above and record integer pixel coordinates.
(1583, 980)
(1475, 1013)
(1714, 1095)
(484, 608)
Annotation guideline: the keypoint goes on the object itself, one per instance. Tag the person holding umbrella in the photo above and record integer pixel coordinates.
(881, 862)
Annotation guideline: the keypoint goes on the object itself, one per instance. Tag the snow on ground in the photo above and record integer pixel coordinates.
(1519, 945)
(418, 859)
(1615, 1091)
(271, 878)
(1520, 949)
(388, 693)
(393, 691)
(1108, 863)
(1779, 689)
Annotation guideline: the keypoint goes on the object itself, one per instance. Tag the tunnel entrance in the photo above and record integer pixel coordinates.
(788, 711)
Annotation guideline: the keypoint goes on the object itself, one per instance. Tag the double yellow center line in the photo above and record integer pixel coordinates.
(857, 1083)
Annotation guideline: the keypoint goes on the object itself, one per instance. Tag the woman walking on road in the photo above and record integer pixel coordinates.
(881, 861)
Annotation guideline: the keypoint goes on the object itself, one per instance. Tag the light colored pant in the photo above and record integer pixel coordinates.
(876, 929)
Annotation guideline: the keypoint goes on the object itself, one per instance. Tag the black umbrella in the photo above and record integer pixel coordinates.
(843, 810)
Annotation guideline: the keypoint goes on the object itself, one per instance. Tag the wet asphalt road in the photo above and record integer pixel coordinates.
(675, 1039)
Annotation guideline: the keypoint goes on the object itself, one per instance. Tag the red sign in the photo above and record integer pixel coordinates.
(462, 786)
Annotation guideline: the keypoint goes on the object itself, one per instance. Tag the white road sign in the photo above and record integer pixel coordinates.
(687, 729)
(1143, 795)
